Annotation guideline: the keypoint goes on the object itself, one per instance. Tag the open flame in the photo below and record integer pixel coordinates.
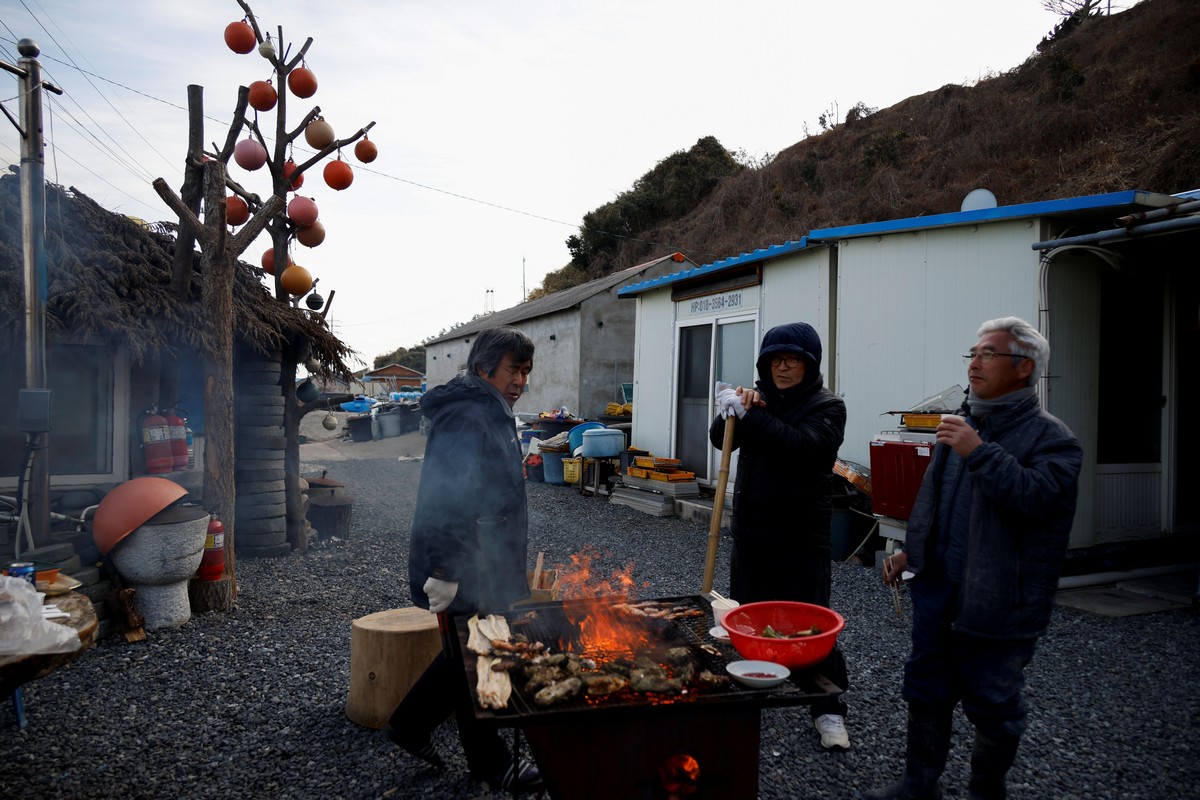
(605, 632)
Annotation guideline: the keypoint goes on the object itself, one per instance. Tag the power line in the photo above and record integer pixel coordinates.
(408, 181)
(97, 90)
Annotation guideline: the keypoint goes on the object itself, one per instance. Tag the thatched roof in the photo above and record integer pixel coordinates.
(109, 279)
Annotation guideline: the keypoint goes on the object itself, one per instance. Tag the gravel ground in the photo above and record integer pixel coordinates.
(250, 703)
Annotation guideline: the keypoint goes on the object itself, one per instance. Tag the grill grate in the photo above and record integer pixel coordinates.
(551, 624)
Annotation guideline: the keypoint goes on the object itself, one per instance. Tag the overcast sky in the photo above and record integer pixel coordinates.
(499, 123)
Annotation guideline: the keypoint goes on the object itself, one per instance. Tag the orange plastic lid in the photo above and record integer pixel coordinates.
(129, 506)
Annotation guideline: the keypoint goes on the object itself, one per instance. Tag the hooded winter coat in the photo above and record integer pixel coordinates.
(786, 450)
(471, 472)
(1023, 482)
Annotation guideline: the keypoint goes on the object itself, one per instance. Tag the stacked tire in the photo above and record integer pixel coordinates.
(261, 506)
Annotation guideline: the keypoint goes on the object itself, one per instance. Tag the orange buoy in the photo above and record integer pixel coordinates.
(365, 151)
(296, 280)
(338, 175)
(302, 82)
(240, 37)
(262, 96)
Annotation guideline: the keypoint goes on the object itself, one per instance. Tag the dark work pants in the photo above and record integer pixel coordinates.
(986, 675)
(803, 574)
(441, 690)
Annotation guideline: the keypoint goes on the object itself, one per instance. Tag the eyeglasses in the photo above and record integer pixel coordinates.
(790, 361)
(986, 356)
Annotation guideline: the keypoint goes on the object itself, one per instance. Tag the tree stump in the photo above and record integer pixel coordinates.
(388, 652)
(210, 595)
(330, 515)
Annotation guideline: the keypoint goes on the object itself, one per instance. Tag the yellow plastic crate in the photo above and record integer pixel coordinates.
(572, 467)
(921, 421)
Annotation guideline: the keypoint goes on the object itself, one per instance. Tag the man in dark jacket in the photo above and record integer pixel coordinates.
(986, 543)
(787, 434)
(469, 539)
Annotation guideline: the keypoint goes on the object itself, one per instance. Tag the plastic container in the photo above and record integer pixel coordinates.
(572, 468)
(602, 443)
(389, 423)
(897, 469)
(746, 622)
(360, 428)
(575, 436)
(553, 427)
(552, 467)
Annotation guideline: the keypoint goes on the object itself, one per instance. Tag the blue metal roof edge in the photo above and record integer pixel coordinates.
(1040, 208)
(762, 254)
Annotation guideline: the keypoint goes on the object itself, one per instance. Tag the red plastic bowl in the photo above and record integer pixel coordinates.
(746, 622)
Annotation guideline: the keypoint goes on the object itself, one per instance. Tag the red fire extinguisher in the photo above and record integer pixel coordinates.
(156, 443)
(179, 450)
(212, 563)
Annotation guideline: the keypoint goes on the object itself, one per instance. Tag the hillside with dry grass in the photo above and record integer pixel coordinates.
(1114, 105)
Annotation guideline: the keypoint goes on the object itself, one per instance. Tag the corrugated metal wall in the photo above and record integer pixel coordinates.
(653, 371)
(1072, 315)
(908, 307)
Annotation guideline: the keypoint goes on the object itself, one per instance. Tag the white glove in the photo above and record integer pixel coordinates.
(728, 401)
(440, 593)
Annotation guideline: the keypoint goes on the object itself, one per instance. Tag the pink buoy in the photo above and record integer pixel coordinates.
(302, 211)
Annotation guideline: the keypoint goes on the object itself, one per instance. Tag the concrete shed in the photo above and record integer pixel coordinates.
(583, 336)
(1110, 280)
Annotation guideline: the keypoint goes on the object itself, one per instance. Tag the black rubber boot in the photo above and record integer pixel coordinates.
(924, 758)
(990, 762)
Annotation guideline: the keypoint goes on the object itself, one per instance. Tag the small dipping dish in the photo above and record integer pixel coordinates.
(758, 674)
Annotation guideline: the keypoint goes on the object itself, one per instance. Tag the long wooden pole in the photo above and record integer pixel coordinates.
(714, 527)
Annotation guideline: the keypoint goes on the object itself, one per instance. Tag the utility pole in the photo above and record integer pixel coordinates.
(34, 401)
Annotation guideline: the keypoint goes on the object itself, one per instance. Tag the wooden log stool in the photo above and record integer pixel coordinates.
(388, 652)
(330, 515)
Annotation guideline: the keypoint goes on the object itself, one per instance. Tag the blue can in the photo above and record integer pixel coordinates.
(23, 570)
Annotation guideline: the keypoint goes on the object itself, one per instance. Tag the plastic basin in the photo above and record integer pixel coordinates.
(602, 443)
(575, 435)
(746, 623)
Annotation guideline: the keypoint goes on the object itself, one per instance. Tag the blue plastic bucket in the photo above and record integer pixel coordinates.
(552, 468)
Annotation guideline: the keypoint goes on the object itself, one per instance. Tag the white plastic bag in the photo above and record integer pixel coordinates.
(23, 631)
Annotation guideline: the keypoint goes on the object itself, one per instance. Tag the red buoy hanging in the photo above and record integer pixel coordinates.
(262, 96)
(212, 563)
(365, 151)
(289, 167)
(302, 82)
(338, 175)
(156, 444)
(240, 37)
(236, 210)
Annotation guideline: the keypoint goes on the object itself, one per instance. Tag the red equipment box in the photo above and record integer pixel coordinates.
(896, 472)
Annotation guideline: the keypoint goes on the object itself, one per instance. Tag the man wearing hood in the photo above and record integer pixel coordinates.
(468, 551)
(985, 543)
(788, 431)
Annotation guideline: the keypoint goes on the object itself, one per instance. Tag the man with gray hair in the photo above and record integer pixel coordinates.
(985, 546)
(468, 551)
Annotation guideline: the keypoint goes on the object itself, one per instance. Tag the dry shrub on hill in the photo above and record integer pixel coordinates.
(1112, 106)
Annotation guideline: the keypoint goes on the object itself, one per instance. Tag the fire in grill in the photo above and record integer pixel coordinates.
(695, 736)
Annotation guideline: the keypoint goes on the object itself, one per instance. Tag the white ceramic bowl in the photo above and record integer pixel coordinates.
(758, 674)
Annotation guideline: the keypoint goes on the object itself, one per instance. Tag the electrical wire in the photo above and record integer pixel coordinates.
(94, 86)
(417, 184)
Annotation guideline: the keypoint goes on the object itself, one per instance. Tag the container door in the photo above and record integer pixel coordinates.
(694, 403)
(736, 352)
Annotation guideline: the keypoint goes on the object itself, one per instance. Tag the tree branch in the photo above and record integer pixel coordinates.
(254, 226)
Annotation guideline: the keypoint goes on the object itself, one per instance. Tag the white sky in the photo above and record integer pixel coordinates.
(549, 109)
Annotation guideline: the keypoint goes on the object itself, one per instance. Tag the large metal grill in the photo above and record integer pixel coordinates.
(702, 745)
(551, 623)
